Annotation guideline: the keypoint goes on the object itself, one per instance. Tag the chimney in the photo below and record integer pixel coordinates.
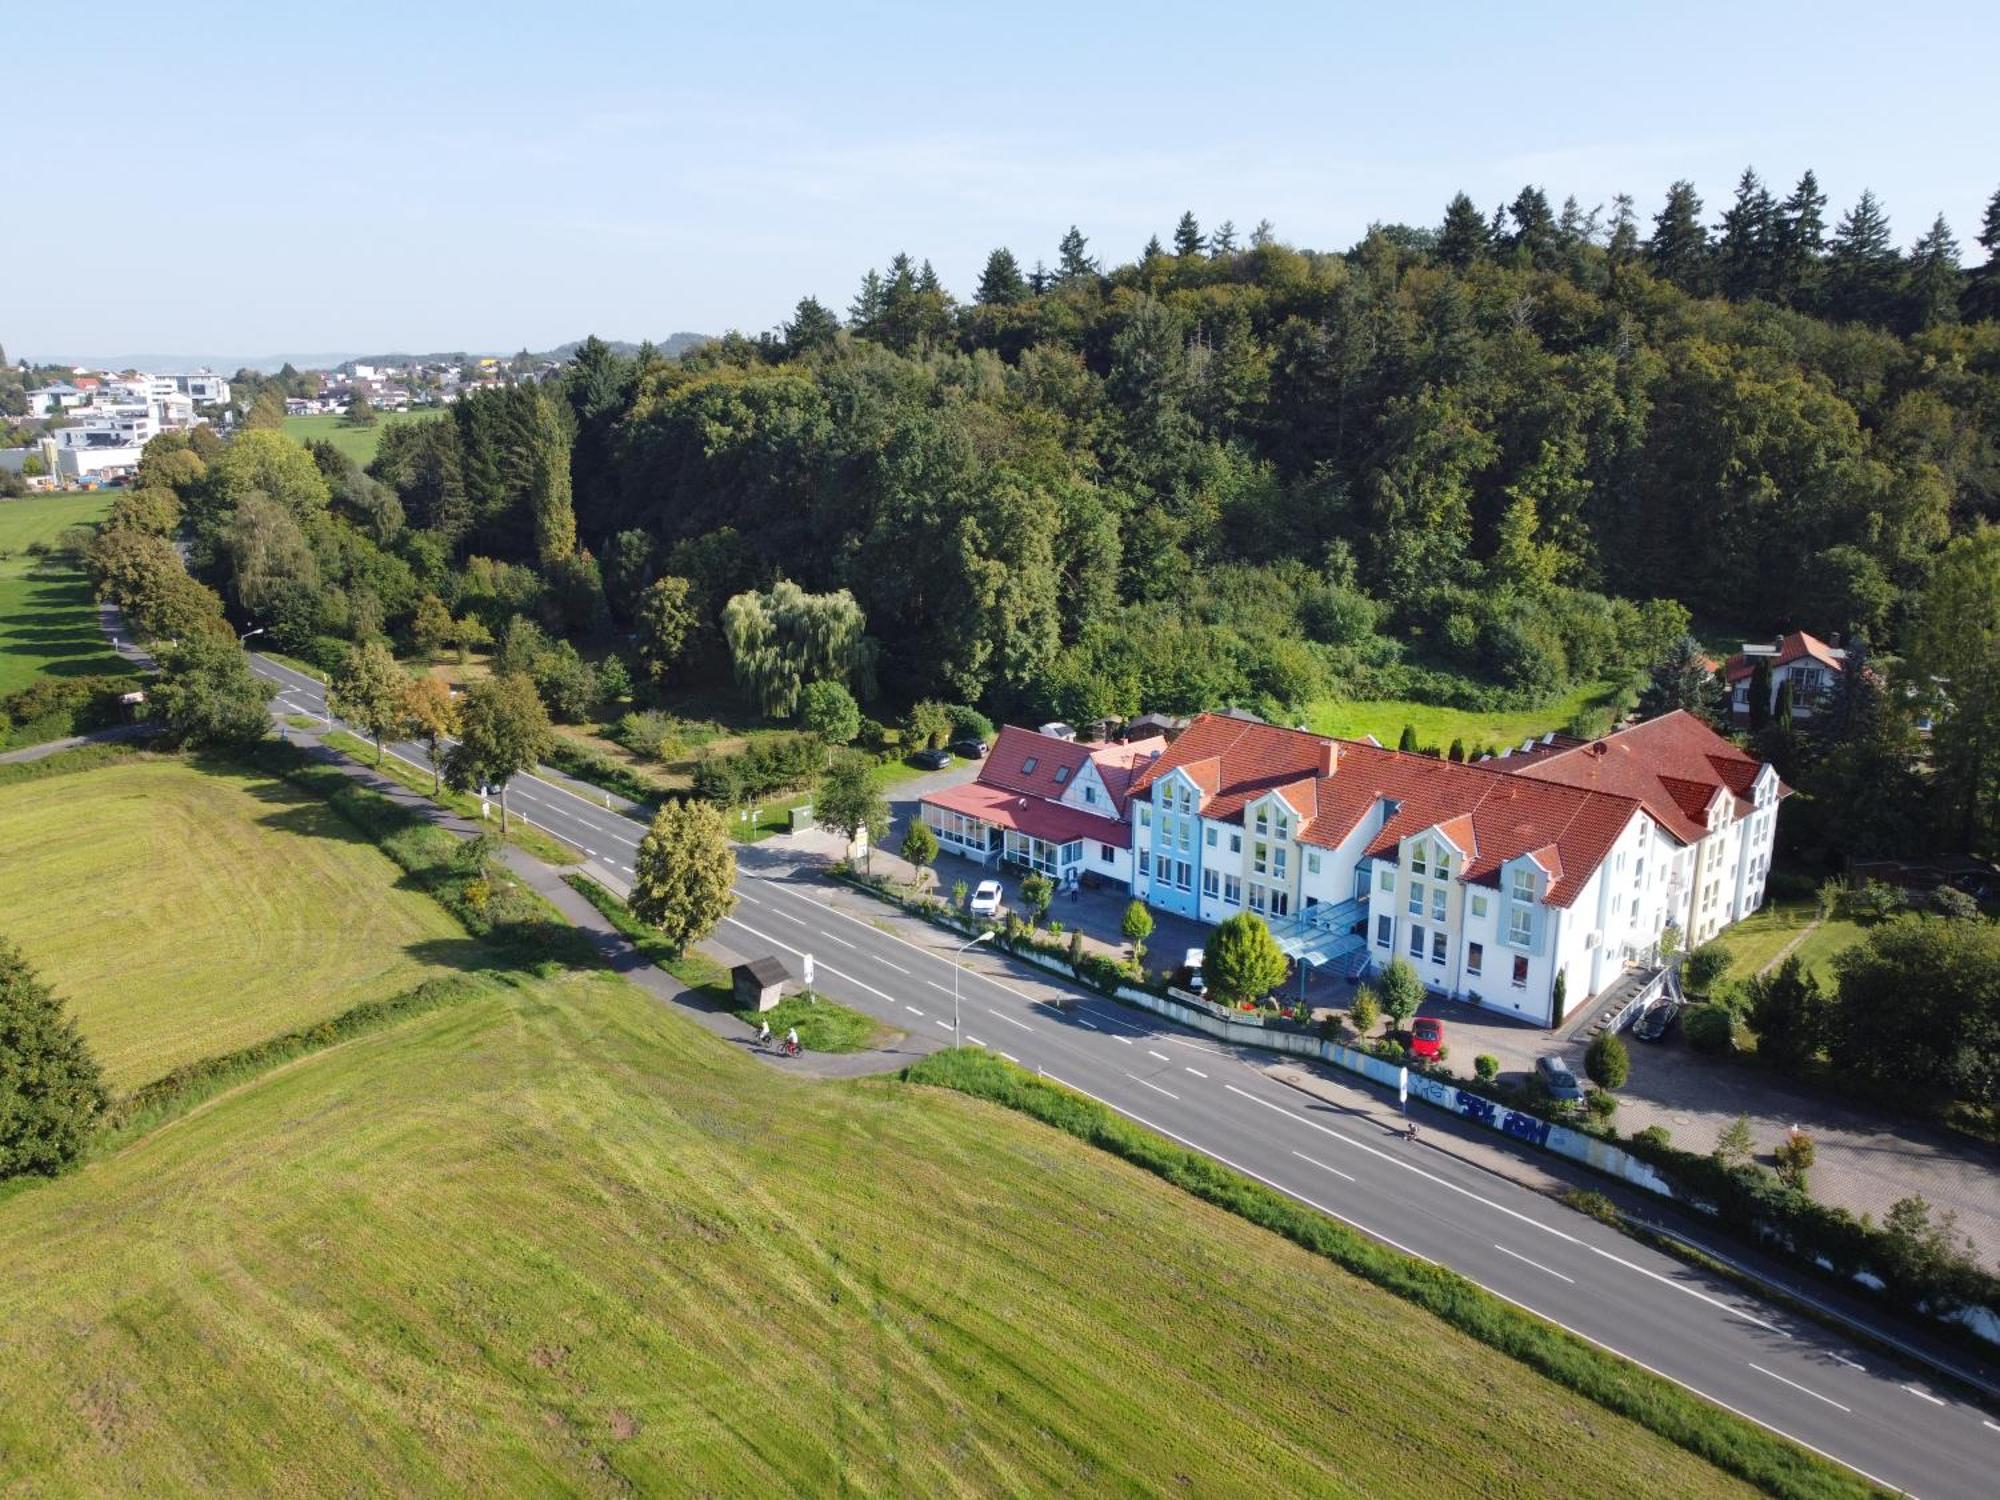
(1329, 757)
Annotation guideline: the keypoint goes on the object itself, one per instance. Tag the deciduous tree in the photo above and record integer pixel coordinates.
(430, 717)
(1242, 960)
(207, 695)
(504, 730)
(684, 875)
(369, 691)
(849, 802)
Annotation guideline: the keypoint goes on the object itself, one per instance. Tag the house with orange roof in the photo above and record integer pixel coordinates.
(1809, 664)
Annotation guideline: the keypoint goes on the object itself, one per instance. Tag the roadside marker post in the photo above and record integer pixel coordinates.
(1403, 1089)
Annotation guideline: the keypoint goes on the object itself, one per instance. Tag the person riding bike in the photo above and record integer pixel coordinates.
(764, 1033)
(792, 1039)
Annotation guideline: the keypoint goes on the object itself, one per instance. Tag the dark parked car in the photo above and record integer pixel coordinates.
(1656, 1021)
(969, 749)
(932, 760)
(1557, 1078)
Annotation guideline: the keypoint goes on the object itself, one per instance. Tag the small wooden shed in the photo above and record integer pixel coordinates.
(759, 984)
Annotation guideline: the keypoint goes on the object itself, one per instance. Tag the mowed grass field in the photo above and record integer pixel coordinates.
(48, 620)
(358, 443)
(1438, 727)
(559, 1240)
(185, 913)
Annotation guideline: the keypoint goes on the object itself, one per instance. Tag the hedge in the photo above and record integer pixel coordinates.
(1731, 1443)
(774, 763)
(599, 769)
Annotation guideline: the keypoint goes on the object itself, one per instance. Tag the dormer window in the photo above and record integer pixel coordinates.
(1524, 885)
(1417, 865)
(1062, 774)
(1028, 765)
(1263, 820)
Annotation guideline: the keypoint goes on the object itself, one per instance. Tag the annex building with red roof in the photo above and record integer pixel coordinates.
(1525, 883)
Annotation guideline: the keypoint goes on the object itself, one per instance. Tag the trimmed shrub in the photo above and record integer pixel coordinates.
(1607, 1062)
(1710, 1029)
(1487, 1066)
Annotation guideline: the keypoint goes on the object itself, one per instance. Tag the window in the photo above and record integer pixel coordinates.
(1417, 859)
(1520, 973)
(1416, 899)
(1524, 885)
(1232, 890)
(1363, 877)
(1278, 861)
(1416, 942)
(1145, 816)
(1072, 852)
(1312, 864)
(1437, 902)
(1211, 883)
(1235, 843)
(1028, 765)
(1385, 930)
(1440, 860)
(1281, 903)
(1260, 858)
(1062, 774)
(1209, 838)
(1106, 854)
(1256, 897)
(1475, 957)
(1263, 820)
(1520, 927)
(1478, 905)
(1145, 861)
(1437, 947)
(1090, 794)
(1388, 881)
(1183, 874)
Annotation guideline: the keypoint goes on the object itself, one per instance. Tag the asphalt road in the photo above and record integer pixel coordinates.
(1789, 1373)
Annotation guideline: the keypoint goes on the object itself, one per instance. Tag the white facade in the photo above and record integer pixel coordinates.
(1497, 942)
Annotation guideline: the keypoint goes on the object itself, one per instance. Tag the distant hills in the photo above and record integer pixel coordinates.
(673, 344)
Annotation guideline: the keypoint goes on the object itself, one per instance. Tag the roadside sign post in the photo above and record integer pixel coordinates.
(1403, 1089)
(809, 976)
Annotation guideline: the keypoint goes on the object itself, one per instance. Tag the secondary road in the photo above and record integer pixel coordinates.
(1789, 1373)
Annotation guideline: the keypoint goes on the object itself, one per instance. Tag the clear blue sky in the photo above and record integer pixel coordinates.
(242, 179)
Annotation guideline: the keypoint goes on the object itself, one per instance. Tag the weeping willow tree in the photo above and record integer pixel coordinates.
(784, 638)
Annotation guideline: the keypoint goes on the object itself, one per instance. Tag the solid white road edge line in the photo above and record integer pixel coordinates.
(1255, 1176)
(1715, 1302)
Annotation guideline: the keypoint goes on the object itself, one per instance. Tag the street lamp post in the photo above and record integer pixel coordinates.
(248, 633)
(954, 979)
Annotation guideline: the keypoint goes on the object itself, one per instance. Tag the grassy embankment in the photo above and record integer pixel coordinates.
(48, 620)
(538, 842)
(358, 443)
(187, 913)
(556, 1237)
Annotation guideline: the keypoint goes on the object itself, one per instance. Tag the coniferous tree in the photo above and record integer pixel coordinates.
(1863, 268)
(51, 1091)
(1744, 252)
(1533, 239)
(1798, 235)
(813, 326)
(927, 280)
(1678, 249)
(1075, 263)
(1685, 680)
(1223, 241)
(1623, 246)
(1462, 238)
(1154, 250)
(1001, 283)
(1264, 236)
(1187, 236)
(1760, 695)
(1934, 284)
(866, 309)
(1039, 279)
(1982, 287)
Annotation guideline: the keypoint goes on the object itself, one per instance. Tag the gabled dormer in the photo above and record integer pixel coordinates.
(1086, 791)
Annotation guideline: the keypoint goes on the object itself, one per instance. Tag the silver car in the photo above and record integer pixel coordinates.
(1556, 1077)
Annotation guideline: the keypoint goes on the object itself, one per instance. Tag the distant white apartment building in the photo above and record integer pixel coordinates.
(110, 423)
(51, 400)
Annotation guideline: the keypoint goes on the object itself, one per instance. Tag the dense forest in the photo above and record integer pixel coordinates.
(1478, 464)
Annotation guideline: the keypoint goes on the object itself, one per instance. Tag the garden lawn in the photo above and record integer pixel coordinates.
(1437, 727)
(1761, 937)
(358, 443)
(184, 913)
(48, 620)
(557, 1239)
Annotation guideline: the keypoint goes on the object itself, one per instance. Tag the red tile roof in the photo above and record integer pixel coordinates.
(1794, 647)
(1016, 750)
(1672, 765)
(1039, 817)
(1501, 816)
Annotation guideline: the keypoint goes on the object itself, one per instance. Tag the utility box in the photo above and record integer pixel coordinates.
(759, 984)
(802, 818)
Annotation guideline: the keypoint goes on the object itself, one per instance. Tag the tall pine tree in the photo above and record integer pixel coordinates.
(1678, 249)
(1001, 283)
(1074, 263)
(1533, 239)
(1798, 235)
(1462, 238)
(1935, 279)
(1982, 287)
(1863, 268)
(1744, 253)
(1187, 236)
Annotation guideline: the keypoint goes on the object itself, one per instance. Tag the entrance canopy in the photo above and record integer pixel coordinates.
(1324, 934)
